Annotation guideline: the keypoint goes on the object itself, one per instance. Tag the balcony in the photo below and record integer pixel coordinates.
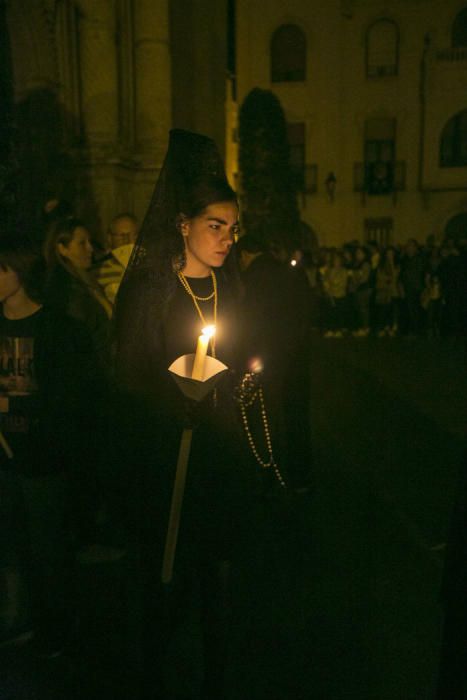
(380, 178)
(453, 55)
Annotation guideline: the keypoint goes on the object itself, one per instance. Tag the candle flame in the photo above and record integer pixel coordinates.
(209, 331)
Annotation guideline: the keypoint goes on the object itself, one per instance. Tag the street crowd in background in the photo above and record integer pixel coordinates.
(410, 290)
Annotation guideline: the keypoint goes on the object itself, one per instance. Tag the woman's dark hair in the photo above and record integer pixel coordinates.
(62, 232)
(212, 190)
(26, 262)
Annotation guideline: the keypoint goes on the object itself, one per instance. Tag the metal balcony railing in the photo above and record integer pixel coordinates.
(380, 178)
(453, 55)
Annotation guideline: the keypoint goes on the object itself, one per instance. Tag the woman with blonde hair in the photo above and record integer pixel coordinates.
(71, 289)
(72, 292)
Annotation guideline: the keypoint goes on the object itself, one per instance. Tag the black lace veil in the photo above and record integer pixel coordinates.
(150, 279)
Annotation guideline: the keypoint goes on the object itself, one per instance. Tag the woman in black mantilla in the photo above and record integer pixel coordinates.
(176, 284)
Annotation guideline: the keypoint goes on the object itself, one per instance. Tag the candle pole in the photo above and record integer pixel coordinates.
(197, 374)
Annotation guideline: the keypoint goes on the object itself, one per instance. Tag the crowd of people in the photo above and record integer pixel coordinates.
(410, 289)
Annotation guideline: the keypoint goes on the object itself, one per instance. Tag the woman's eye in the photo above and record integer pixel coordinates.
(215, 227)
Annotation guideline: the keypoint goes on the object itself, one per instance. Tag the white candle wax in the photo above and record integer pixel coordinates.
(201, 352)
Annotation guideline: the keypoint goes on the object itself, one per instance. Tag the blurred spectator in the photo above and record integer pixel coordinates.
(311, 267)
(432, 297)
(386, 292)
(412, 283)
(110, 269)
(374, 255)
(361, 292)
(335, 282)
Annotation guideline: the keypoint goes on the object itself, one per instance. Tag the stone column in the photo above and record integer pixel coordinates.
(152, 79)
(98, 64)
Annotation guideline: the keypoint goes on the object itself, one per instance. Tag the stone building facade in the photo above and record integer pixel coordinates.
(375, 95)
(97, 84)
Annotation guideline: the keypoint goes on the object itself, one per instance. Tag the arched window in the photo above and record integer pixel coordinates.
(453, 143)
(459, 29)
(382, 49)
(288, 54)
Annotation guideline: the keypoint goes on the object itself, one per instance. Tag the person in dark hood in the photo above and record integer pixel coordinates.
(180, 279)
(276, 316)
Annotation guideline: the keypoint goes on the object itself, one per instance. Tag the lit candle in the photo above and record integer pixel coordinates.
(201, 352)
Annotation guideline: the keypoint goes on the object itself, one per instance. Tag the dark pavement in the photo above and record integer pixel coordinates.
(345, 604)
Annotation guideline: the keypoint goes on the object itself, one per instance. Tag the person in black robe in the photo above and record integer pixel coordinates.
(176, 284)
(276, 313)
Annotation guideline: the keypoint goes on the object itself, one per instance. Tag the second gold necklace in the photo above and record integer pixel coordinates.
(186, 285)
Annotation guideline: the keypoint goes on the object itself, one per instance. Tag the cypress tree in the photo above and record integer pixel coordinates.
(269, 196)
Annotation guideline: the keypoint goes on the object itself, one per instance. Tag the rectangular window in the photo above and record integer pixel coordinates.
(379, 230)
(382, 49)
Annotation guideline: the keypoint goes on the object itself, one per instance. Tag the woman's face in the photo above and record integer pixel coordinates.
(209, 237)
(79, 250)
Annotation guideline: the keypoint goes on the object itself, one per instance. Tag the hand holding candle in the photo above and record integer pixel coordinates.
(201, 352)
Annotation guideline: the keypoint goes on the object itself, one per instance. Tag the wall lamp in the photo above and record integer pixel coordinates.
(330, 183)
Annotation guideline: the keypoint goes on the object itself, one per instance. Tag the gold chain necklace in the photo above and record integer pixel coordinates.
(186, 285)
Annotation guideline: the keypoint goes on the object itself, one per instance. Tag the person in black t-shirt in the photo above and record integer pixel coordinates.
(45, 367)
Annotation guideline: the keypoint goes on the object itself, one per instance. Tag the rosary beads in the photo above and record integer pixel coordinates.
(244, 404)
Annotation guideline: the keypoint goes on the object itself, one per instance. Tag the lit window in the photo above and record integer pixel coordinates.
(453, 143)
(459, 30)
(288, 54)
(382, 49)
